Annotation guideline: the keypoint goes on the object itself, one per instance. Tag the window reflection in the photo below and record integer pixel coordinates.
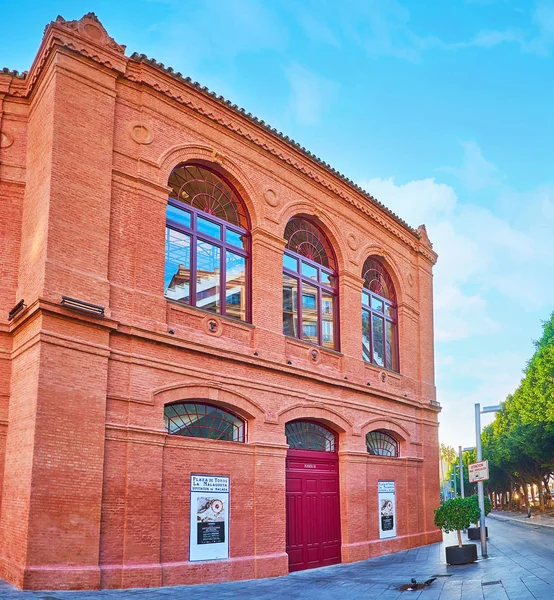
(309, 313)
(235, 275)
(327, 321)
(177, 266)
(290, 306)
(378, 353)
(208, 276)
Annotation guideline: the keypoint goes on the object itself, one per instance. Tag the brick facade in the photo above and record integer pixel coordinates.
(94, 493)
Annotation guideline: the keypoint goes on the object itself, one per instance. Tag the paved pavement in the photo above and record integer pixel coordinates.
(520, 567)
(537, 519)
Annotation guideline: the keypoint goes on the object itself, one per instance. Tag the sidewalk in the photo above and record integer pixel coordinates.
(537, 519)
(520, 567)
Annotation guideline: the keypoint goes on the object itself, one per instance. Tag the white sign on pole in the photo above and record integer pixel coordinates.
(387, 509)
(209, 517)
(478, 471)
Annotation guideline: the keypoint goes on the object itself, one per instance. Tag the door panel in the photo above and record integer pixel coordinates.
(313, 509)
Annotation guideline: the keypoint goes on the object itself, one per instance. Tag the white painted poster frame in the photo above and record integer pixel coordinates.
(208, 521)
(386, 509)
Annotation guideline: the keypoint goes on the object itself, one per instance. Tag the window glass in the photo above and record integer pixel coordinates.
(309, 271)
(290, 263)
(305, 435)
(309, 313)
(378, 346)
(235, 238)
(208, 271)
(193, 419)
(181, 217)
(392, 356)
(366, 344)
(365, 298)
(208, 227)
(290, 305)
(390, 311)
(327, 320)
(380, 443)
(376, 304)
(326, 278)
(177, 266)
(235, 292)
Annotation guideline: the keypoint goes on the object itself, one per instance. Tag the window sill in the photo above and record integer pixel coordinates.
(186, 308)
(305, 344)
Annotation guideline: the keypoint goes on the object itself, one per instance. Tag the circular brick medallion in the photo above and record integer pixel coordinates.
(352, 241)
(6, 139)
(212, 326)
(140, 133)
(271, 197)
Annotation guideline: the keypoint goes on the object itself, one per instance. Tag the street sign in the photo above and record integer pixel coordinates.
(478, 471)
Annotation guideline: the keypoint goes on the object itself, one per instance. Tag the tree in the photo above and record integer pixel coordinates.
(457, 514)
(520, 442)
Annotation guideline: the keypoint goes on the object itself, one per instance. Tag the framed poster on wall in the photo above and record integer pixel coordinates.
(387, 509)
(209, 517)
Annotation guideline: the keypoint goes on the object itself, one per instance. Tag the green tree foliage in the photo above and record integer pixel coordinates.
(457, 514)
(488, 504)
(519, 444)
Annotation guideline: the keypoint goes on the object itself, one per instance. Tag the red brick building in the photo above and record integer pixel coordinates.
(187, 291)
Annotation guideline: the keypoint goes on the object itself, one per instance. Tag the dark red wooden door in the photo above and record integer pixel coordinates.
(313, 509)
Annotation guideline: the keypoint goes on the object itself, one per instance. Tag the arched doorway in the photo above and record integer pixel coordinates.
(312, 496)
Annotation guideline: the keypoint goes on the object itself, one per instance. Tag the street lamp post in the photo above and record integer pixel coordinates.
(462, 491)
(454, 476)
(480, 489)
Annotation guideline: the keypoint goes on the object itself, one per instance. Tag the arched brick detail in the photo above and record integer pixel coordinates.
(325, 415)
(219, 163)
(398, 280)
(231, 400)
(399, 432)
(325, 223)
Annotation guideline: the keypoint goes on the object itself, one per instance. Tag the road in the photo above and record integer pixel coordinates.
(520, 567)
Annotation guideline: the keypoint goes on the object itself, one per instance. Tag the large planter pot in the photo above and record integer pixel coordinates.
(474, 533)
(461, 556)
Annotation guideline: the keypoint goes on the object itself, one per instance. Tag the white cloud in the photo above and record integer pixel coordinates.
(475, 172)
(310, 93)
(482, 256)
(416, 201)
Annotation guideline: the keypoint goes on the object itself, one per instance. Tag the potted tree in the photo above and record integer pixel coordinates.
(474, 533)
(454, 515)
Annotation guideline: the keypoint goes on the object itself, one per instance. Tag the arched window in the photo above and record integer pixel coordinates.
(380, 443)
(307, 435)
(379, 316)
(197, 419)
(207, 243)
(309, 285)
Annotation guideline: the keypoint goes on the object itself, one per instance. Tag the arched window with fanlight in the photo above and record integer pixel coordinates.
(309, 285)
(379, 316)
(381, 443)
(207, 243)
(309, 435)
(195, 418)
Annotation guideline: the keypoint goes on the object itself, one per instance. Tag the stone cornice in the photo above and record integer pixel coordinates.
(244, 124)
(88, 37)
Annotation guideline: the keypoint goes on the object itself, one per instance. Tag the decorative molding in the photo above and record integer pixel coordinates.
(271, 197)
(212, 326)
(352, 241)
(88, 37)
(6, 139)
(89, 26)
(140, 133)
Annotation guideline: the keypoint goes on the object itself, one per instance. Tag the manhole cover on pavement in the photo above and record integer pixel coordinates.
(491, 583)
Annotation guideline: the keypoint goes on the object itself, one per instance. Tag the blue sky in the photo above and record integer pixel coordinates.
(441, 109)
